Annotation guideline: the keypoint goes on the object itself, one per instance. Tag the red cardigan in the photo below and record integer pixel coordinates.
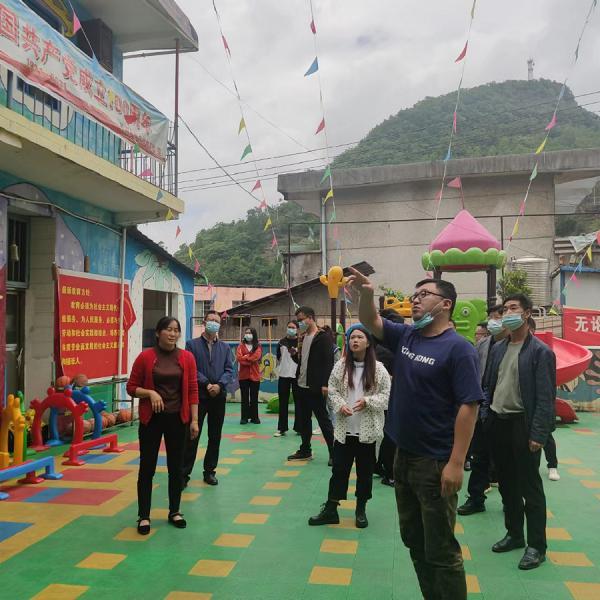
(141, 376)
(248, 362)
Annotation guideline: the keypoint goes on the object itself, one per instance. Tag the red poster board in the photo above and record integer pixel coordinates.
(88, 325)
(582, 326)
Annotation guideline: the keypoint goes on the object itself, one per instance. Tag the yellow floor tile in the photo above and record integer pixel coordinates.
(295, 463)
(251, 519)
(591, 484)
(100, 560)
(352, 477)
(222, 470)
(330, 576)
(466, 552)
(242, 451)
(339, 546)
(234, 540)
(58, 591)
(458, 528)
(189, 497)
(228, 460)
(352, 488)
(583, 591)
(265, 500)
(569, 461)
(348, 504)
(188, 596)
(557, 533)
(159, 513)
(345, 523)
(549, 514)
(570, 559)
(213, 568)
(473, 584)
(581, 471)
(286, 473)
(277, 485)
(130, 534)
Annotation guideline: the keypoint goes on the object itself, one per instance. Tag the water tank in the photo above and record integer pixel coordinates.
(538, 278)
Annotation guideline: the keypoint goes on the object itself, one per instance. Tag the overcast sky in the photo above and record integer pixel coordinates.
(375, 59)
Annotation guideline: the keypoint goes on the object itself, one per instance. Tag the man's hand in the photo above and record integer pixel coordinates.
(324, 391)
(359, 281)
(534, 446)
(360, 405)
(194, 429)
(156, 401)
(452, 478)
(346, 410)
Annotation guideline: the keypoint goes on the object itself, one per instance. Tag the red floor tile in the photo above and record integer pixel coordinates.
(96, 475)
(86, 497)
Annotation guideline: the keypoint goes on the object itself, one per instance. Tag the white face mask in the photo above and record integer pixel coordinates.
(248, 338)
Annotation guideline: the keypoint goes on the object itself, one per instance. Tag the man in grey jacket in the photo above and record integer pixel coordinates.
(521, 382)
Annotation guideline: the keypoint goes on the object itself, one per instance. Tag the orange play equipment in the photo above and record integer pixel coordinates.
(11, 415)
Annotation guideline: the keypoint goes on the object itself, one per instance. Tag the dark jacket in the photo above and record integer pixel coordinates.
(320, 361)
(212, 367)
(288, 343)
(537, 382)
(385, 357)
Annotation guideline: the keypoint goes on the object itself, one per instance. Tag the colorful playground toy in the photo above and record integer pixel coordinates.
(402, 307)
(467, 315)
(97, 407)
(334, 281)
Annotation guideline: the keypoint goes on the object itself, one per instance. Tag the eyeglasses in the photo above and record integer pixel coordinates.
(423, 294)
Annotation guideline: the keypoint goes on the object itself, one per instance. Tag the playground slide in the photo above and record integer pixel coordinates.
(571, 359)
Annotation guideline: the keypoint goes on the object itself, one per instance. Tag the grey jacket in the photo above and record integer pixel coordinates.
(483, 349)
(537, 383)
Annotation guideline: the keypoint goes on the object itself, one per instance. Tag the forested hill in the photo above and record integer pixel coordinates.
(493, 119)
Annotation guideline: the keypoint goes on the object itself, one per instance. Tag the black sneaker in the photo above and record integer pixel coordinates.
(299, 455)
(327, 516)
(470, 508)
(388, 482)
(243, 421)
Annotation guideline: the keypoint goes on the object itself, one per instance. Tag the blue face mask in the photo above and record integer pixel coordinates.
(495, 326)
(425, 320)
(291, 332)
(303, 325)
(512, 322)
(212, 327)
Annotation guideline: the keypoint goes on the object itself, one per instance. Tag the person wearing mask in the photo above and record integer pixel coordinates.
(214, 373)
(521, 382)
(164, 379)
(358, 392)
(286, 382)
(481, 332)
(315, 361)
(431, 416)
(248, 355)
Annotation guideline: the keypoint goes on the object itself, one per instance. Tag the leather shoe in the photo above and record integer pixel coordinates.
(210, 479)
(470, 508)
(507, 543)
(532, 559)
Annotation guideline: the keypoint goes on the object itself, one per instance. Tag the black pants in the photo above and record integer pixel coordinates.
(310, 402)
(427, 521)
(519, 479)
(173, 429)
(249, 393)
(344, 456)
(284, 386)
(479, 479)
(385, 460)
(214, 408)
(550, 453)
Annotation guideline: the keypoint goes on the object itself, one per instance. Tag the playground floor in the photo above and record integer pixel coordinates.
(248, 539)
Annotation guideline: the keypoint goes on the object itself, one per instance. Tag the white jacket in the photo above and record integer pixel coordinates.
(373, 418)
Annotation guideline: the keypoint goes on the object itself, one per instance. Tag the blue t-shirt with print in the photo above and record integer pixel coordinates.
(433, 377)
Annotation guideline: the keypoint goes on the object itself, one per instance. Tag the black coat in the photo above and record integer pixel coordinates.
(320, 361)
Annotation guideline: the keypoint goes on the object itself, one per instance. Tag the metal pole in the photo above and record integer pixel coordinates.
(176, 127)
(333, 315)
(501, 232)
(342, 315)
(289, 270)
(323, 239)
(121, 302)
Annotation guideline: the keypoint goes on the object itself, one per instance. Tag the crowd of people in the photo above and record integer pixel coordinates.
(415, 403)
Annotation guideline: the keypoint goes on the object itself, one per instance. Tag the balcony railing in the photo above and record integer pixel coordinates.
(62, 119)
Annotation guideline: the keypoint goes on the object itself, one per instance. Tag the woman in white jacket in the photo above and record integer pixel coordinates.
(358, 393)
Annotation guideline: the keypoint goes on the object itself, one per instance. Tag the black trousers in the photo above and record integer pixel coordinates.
(479, 479)
(310, 402)
(249, 392)
(427, 521)
(550, 453)
(284, 386)
(385, 460)
(214, 409)
(519, 479)
(344, 456)
(173, 429)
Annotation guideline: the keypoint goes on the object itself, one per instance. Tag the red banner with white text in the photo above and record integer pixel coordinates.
(582, 326)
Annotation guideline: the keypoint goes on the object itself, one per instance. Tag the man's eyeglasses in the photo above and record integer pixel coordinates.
(423, 294)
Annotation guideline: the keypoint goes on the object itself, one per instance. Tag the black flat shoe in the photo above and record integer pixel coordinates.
(143, 529)
(256, 421)
(180, 523)
(532, 559)
(210, 479)
(507, 543)
(470, 508)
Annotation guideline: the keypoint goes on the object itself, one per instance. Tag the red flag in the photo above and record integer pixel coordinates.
(224, 314)
(256, 185)
(456, 183)
(462, 54)
(598, 237)
(196, 266)
(226, 45)
(263, 205)
(130, 119)
(320, 127)
(274, 241)
(552, 123)
(146, 173)
(454, 122)
(313, 28)
(177, 232)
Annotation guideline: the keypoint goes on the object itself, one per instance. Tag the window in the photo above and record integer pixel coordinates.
(18, 251)
(269, 322)
(38, 95)
(201, 307)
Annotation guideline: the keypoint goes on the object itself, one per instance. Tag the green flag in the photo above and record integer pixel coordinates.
(247, 150)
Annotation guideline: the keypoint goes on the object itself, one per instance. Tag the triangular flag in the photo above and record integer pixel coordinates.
(159, 196)
(553, 311)
(263, 205)
(454, 122)
(247, 150)
(169, 216)
(456, 183)
(562, 91)
(589, 254)
(190, 253)
(575, 279)
(515, 229)
(448, 155)
(533, 173)
(224, 314)
(522, 209)
(313, 68)
(226, 45)
(577, 52)
(177, 232)
(328, 196)
(196, 266)
(552, 123)
(146, 173)
(313, 27)
(598, 237)
(256, 185)
(473, 9)
(268, 224)
(541, 147)
(76, 23)
(242, 125)
(320, 127)
(327, 174)
(273, 241)
(463, 53)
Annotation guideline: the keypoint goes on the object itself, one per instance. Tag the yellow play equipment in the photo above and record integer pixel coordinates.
(334, 281)
(12, 419)
(402, 307)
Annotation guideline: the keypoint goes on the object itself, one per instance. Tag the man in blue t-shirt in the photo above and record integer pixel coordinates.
(431, 417)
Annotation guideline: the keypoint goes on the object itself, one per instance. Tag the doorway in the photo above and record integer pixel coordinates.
(15, 312)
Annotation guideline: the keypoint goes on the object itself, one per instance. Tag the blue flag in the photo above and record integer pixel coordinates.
(313, 68)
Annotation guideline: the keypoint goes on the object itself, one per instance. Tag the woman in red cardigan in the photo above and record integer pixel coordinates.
(164, 378)
(248, 356)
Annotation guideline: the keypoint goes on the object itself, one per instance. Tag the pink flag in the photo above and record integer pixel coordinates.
(598, 237)
(456, 183)
(574, 278)
(522, 209)
(256, 185)
(224, 314)
(462, 54)
(273, 241)
(76, 23)
(146, 173)
(313, 28)
(552, 123)
(226, 45)
(320, 127)
(177, 232)
(196, 266)
(263, 205)
(454, 120)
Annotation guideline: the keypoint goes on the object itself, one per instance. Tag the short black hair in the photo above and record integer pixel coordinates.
(307, 311)
(522, 299)
(482, 324)
(444, 288)
(391, 315)
(531, 324)
(164, 322)
(293, 322)
(499, 308)
(212, 312)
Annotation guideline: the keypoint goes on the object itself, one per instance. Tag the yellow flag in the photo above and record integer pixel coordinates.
(169, 216)
(268, 224)
(242, 125)
(541, 147)
(515, 229)
(329, 195)
(190, 253)
(589, 254)
(553, 311)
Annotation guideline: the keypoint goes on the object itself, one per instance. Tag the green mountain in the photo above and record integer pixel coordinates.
(493, 119)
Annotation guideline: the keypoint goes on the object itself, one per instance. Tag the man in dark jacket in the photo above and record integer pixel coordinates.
(315, 362)
(215, 370)
(521, 382)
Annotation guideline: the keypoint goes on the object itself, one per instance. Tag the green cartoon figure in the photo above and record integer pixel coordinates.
(467, 315)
